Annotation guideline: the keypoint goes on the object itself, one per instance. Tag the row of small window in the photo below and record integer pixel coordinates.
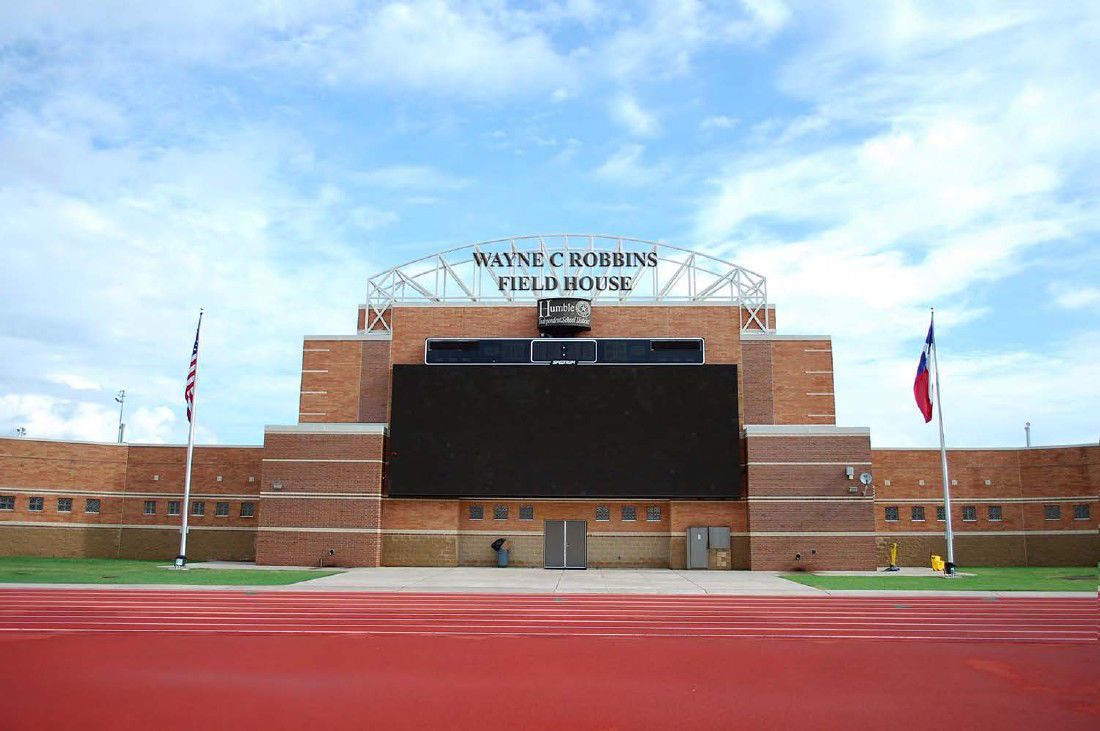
(92, 505)
(993, 512)
(603, 512)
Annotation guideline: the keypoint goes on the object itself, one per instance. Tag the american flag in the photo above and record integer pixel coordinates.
(189, 389)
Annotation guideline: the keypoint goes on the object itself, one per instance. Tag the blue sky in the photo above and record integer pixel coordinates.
(263, 159)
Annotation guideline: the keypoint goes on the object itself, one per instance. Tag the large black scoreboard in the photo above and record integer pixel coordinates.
(542, 351)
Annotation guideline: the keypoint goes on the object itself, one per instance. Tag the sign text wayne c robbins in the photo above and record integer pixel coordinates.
(606, 260)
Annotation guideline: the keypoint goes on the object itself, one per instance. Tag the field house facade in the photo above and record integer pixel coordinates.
(318, 491)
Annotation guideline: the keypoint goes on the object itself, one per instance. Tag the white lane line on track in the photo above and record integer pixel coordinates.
(177, 601)
(503, 624)
(617, 622)
(649, 616)
(622, 635)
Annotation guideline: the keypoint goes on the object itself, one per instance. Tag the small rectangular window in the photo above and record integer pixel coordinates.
(7, 502)
(64, 505)
(477, 512)
(248, 510)
(941, 514)
(994, 512)
(1081, 512)
(526, 512)
(500, 512)
(629, 512)
(603, 513)
(892, 513)
(173, 507)
(1052, 512)
(36, 504)
(970, 513)
(221, 510)
(91, 505)
(917, 513)
(198, 507)
(653, 513)
(150, 507)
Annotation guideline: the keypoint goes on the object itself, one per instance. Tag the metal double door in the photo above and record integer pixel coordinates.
(566, 544)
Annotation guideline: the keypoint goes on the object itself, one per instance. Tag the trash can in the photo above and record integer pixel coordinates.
(501, 546)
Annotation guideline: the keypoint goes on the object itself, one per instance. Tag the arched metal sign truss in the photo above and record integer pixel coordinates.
(666, 275)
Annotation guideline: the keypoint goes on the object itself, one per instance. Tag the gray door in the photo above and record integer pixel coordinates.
(697, 548)
(576, 544)
(564, 544)
(553, 532)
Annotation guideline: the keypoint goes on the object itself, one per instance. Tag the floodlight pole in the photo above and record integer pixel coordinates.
(121, 398)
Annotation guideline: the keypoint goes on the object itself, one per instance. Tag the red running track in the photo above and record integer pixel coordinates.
(278, 659)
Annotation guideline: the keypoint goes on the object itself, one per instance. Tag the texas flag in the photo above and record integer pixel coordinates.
(922, 385)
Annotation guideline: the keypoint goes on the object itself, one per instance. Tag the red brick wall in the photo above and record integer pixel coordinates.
(321, 497)
(801, 513)
(788, 380)
(331, 381)
(1022, 482)
(123, 478)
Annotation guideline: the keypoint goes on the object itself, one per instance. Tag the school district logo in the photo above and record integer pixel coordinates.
(584, 311)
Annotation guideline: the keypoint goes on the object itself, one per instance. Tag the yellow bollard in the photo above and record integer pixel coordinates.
(893, 558)
(937, 563)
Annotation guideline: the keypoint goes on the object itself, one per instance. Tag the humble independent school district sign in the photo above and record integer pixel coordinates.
(579, 260)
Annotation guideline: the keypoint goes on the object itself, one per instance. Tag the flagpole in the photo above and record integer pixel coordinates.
(948, 533)
(181, 559)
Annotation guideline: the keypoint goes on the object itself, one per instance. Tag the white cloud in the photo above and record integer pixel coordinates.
(625, 167)
(950, 150)
(717, 121)
(1075, 298)
(626, 111)
(74, 381)
(49, 417)
(410, 177)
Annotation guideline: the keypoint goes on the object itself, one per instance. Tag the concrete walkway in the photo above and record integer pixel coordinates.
(471, 579)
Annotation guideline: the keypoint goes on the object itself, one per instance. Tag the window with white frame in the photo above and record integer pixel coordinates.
(603, 513)
(653, 513)
(891, 513)
(1052, 512)
(198, 507)
(1081, 511)
(64, 505)
(7, 502)
(970, 513)
(221, 510)
(500, 512)
(173, 507)
(994, 512)
(91, 505)
(629, 512)
(36, 504)
(917, 513)
(476, 512)
(248, 510)
(526, 512)
(150, 507)
(941, 514)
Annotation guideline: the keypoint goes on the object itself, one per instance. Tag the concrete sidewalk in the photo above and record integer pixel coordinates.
(550, 581)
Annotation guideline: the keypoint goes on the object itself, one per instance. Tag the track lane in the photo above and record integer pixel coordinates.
(255, 612)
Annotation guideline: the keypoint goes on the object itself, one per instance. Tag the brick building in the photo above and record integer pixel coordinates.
(322, 489)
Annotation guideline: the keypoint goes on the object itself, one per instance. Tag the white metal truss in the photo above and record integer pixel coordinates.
(681, 276)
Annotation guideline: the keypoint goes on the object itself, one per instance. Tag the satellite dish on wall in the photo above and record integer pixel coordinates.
(865, 478)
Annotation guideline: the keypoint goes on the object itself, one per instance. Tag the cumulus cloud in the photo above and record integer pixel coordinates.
(632, 117)
(947, 154)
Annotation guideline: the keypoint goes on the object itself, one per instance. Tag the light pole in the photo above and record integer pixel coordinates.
(1027, 433)
(121, 398)
(20, 431)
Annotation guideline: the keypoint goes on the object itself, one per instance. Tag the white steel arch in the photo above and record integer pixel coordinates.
(681, 276)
